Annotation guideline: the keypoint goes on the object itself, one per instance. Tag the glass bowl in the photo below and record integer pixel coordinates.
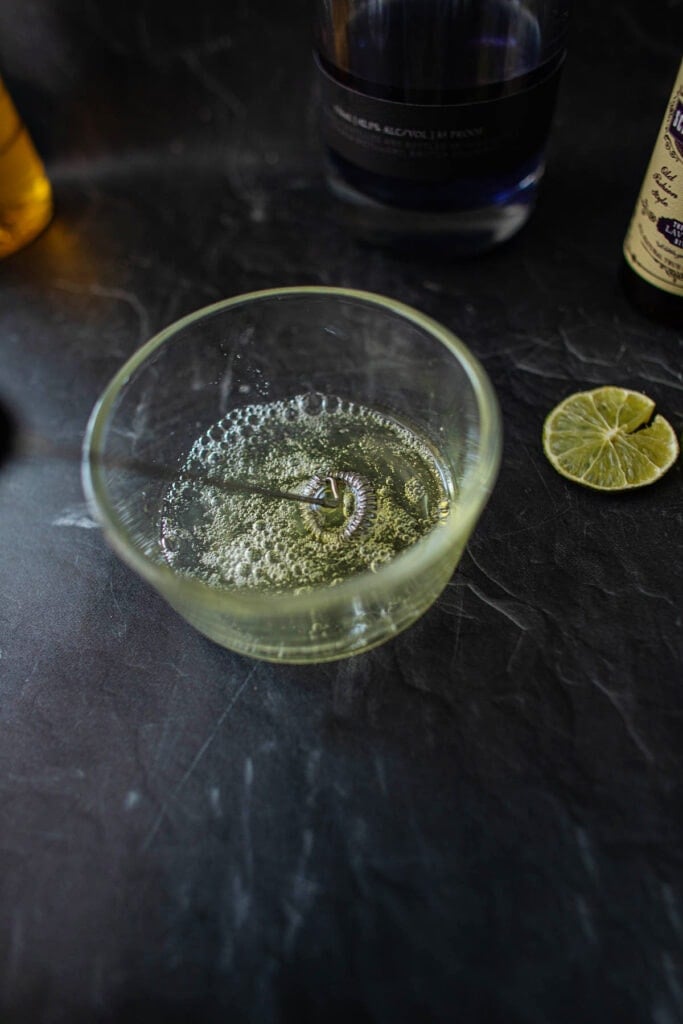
(376, 428)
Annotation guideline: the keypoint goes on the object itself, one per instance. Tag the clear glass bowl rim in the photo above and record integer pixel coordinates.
(415, 561)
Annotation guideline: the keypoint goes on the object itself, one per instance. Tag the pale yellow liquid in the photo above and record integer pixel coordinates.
(25, 193)
(247, 542)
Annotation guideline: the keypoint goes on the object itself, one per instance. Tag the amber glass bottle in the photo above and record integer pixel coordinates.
(652, 270)
(25, 193)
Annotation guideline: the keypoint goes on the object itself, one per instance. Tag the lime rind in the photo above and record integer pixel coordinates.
(600, 439)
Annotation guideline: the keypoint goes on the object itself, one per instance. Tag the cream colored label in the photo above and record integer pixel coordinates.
(653, 246)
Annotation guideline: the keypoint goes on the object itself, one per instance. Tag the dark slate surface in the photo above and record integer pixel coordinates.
(480, 821)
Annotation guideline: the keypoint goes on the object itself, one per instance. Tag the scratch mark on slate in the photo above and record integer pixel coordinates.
(381, 776)
(586, 852)
(246, 818)
(15, 948)
(670, 974)
(586, 920)
(215, 801)
(672, 911)
(195, 761)
(78, 517)
(302, 894)
(509, 609)
(118, 295)
(614, 700)
(213, 86)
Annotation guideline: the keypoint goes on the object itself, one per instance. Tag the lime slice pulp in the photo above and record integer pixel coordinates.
(608, 439)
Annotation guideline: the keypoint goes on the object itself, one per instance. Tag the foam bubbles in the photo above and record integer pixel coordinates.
(313, 404)
(250, 542)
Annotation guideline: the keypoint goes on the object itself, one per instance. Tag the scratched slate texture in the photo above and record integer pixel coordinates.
(479, 821)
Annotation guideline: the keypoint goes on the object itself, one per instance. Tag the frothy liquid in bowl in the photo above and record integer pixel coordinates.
(388, 485)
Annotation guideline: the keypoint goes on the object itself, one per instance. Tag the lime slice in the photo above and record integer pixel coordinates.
(607, 439)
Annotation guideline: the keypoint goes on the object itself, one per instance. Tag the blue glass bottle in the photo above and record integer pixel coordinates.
(436, 113)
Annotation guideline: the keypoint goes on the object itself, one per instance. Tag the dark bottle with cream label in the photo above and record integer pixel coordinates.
(652, 270)
(436, 115)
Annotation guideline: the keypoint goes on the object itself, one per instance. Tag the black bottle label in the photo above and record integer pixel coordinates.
(435, 142)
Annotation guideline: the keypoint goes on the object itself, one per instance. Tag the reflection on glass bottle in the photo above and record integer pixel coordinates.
(25, 193)
(436, 113)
